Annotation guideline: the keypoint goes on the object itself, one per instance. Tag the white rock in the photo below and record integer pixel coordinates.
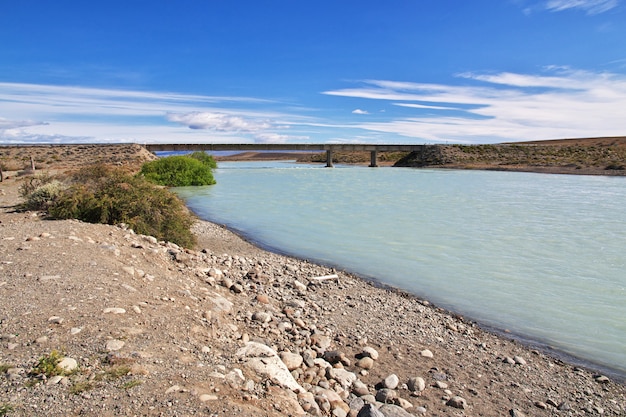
(75, 330)
(416, 384)
(291, 360)
(391, 381)
(114, 310)
(426, 353)
(208, 397)
(371, 352)
(68, 364)
(114, 344)
(265, 361)
(343, 377)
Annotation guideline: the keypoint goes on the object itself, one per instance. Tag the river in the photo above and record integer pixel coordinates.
(542, 256)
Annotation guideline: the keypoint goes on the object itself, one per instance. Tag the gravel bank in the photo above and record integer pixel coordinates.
(148, 328)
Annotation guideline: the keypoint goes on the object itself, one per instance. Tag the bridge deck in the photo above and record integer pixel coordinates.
(328, 147)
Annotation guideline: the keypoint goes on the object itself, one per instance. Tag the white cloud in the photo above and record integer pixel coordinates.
(278, 138)
(359, 111)
(49, 113)
(218, 121)
(503, 107)
(590, 6)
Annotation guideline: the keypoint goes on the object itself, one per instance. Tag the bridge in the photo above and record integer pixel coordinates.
(328, 147)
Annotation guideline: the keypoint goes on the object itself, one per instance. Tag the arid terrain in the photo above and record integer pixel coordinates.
(227, 329)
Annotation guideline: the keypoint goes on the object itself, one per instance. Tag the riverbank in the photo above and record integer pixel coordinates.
(158, 330)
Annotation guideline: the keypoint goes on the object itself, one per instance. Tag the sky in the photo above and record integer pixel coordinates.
(287, 71)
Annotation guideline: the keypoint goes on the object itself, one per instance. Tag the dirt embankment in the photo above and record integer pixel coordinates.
(596, 156)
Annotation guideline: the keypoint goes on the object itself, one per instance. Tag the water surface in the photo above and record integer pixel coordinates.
(541, 255)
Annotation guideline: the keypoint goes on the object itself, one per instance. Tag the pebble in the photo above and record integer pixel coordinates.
(391, 381)
(68, 364)
(291, 360)
(75, 330)
(365, 363)
(114, 310)
(416, 384)
(370, 352)
(114, 344)
(457, 402)
(426, 353)
(55, 320)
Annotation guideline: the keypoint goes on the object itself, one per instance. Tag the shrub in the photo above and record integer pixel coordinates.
(180, 171)
(42, 197)
(205, 158)
(102, 195)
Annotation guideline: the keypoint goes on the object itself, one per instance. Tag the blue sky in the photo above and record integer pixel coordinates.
(402, 71)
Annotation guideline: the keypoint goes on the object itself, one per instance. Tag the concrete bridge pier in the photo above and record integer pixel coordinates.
(329, 158)
(373, 159)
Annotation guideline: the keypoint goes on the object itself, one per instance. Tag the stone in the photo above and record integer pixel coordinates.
(391, 410)
(265, 361)
(291, 360)
(262, 316)
(343, 377)
(416, 384)
(220, 304)
(359, 388)
(55, 320)
(441, 385)
(391, 381)
(426, 353)
(68, 364)
(457, 402)
(385, 395)
(541, 405)
(332, 356)
(602, 379)
(114, 310)
(370, 352)
(365, 363)
(308, 404)
(516, 413)
(75, 330)
(369, 410)
(320, 340)
(519, 360)
(299, 286)
(114, 344)
(208, 397)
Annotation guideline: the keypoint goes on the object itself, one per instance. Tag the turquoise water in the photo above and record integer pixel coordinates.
(540, 255)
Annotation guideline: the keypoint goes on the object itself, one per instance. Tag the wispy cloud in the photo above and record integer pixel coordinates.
(49, 113)
(503, 106)
(592, 7)
(359, 111)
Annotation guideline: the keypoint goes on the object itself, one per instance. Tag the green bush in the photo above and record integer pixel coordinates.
(102, 195)
(205, 158)
(180, 171)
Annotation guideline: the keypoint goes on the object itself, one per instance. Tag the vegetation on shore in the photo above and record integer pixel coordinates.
(609, 158)
(102, 194)
(181, 171)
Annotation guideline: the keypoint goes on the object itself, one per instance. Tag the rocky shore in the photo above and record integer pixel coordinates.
(133, 326)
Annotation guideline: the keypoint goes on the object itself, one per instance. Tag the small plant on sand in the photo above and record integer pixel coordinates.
(180, 171)
(118, 371)
(80, 387)
(48, 365)
(131, 384)
(104, 195)
(5, 409)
